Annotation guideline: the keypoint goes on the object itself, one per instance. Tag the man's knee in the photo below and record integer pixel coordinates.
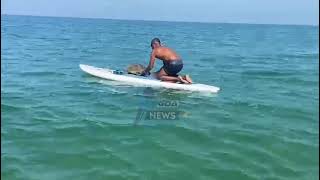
(161, 77)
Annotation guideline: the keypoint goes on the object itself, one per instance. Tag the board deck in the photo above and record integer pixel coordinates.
(145, 81)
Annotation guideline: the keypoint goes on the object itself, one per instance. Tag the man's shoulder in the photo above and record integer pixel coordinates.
(164, 48)
(161, 50)
(157, 50)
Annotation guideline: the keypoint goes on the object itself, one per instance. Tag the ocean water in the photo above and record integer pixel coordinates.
(60, 123)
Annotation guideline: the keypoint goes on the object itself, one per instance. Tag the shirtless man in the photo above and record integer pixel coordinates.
(172, 64)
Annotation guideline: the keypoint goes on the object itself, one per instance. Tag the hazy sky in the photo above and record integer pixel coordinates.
(238, 11)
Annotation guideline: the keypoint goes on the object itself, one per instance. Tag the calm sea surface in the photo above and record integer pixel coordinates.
(60, 123)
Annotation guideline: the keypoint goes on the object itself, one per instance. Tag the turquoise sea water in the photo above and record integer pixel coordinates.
(60, 123)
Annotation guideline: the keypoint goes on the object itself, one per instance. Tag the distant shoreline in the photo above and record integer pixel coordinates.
(147, 20)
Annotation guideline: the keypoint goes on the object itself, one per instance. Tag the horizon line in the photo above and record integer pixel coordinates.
(154, 20)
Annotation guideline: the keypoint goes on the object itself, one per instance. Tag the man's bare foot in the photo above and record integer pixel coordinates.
(182, 80)
(187, 78)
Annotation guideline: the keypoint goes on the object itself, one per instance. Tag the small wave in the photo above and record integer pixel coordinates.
(300, 81)
(299, 56)
(211, 60)
(228, 44)
(266, 73)
(16, 36)
(41, 73)
(10, 108)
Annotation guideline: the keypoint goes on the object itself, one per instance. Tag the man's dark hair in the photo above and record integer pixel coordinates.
(154, 40)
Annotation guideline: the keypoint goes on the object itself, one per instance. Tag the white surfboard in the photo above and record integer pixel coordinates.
(145, 81)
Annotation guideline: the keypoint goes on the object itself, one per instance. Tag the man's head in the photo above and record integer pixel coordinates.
(155, 43)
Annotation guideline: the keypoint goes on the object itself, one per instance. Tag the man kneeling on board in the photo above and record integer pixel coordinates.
(172, 64)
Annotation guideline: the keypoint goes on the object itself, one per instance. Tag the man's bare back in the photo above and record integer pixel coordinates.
(165, 54)
(172, 63)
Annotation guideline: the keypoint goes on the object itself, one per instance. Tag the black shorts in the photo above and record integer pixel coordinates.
(172, 67)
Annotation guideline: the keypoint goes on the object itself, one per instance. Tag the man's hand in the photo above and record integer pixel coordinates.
(145, 73)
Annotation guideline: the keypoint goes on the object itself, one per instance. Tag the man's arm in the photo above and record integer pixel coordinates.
(151, 63)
